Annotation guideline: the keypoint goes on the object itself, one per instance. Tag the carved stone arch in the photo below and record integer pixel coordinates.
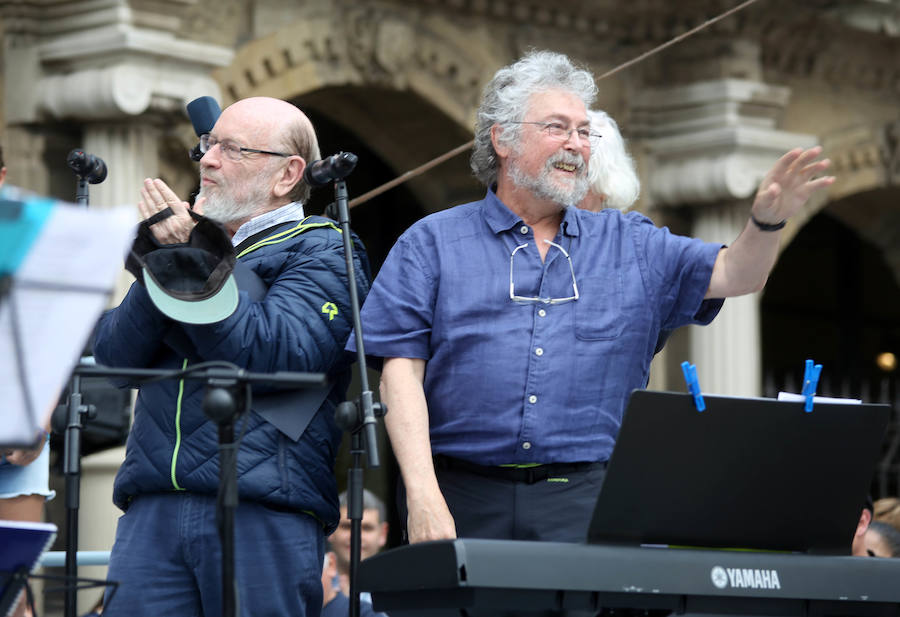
(866, 162)
(833, 295)
(875, 218)
(405, 82)
(378, 47)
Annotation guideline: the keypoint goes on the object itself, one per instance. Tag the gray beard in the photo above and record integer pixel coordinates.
(225, 208)
(543, 187)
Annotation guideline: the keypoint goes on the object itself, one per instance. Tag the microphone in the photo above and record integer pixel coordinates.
(87, 166)
(335, 167)
(203, 112)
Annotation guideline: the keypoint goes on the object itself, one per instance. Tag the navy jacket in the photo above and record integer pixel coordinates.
(301, 324)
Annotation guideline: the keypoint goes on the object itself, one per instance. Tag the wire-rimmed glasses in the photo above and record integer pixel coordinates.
(525, 299)
(560, 132)
(232, 149)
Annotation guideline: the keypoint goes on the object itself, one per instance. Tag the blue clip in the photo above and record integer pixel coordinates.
(810, 383)
(690, 376)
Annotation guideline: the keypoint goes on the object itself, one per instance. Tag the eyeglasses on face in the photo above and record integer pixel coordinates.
(526, 299)
(560, 132)
(232, 149)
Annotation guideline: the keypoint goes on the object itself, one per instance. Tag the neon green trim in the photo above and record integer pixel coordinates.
(178, 427)
(563, 480)
(315, 516)
(287, 234)
(523, 465)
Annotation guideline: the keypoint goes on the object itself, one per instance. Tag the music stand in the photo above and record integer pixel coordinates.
(55, 284)
(745, 473)
(222, 406)
(23, 544)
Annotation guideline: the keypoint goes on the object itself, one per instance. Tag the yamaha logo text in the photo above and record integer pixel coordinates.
(745, 578)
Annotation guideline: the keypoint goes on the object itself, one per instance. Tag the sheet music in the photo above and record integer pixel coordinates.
(799, 398)
(56, 297)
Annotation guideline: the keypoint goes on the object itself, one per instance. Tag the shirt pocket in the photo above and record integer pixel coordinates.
(599, 311)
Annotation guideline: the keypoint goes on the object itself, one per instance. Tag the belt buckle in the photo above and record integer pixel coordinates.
(536, 474)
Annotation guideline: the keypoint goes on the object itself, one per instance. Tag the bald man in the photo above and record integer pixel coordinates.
(167, 554)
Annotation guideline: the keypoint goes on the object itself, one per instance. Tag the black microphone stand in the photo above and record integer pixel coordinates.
(81, 192)
(356, 417)
(89, 170)
(76, 413)
(227, 396)
(75, 418)
(225, 400)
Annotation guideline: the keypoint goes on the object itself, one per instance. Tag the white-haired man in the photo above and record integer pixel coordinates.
(611, 171)
(515, 327)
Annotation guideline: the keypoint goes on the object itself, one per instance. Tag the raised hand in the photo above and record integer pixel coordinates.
(790, 184)
(156, 199)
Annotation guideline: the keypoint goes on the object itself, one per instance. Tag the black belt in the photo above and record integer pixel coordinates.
(527, 475)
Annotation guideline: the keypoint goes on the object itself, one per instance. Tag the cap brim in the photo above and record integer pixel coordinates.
(211, 310)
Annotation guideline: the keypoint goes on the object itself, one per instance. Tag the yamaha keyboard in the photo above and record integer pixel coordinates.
(484, 577)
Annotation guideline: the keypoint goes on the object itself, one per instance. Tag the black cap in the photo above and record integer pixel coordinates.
(191, 282)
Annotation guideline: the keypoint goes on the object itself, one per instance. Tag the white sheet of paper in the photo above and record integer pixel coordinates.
(57, 295)
(790, 396)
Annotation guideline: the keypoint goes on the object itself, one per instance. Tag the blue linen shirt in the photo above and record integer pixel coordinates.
(507, 382)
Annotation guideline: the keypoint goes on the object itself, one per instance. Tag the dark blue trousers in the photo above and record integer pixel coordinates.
(556, 509)
(167, 558)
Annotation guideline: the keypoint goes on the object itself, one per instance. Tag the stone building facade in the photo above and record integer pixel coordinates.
(398, 81)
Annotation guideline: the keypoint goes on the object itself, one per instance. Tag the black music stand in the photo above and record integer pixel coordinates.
(745, 473)
(23, 544)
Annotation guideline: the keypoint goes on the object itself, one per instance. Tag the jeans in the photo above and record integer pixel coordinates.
(167, 560)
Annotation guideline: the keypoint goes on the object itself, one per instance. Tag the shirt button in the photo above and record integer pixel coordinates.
(542, 313)
(539, 351)
(526, 445)
(532, 399)
(524, 229)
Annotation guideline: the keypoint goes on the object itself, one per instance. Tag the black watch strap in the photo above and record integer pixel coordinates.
(768, 226)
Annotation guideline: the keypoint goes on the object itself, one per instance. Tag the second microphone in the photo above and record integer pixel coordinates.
(325, 171)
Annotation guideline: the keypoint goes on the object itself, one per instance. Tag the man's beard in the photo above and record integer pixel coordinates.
(224, 206)
(543, 185)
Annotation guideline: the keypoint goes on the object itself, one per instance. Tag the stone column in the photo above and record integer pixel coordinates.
(131, 154)
(727, 352)
(23, 153)
(130, 151)
(709, 145)
(119, 72)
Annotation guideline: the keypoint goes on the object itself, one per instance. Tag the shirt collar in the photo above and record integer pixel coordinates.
(570, 224)
(288, 212)
(497, 215)
(500, 218)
